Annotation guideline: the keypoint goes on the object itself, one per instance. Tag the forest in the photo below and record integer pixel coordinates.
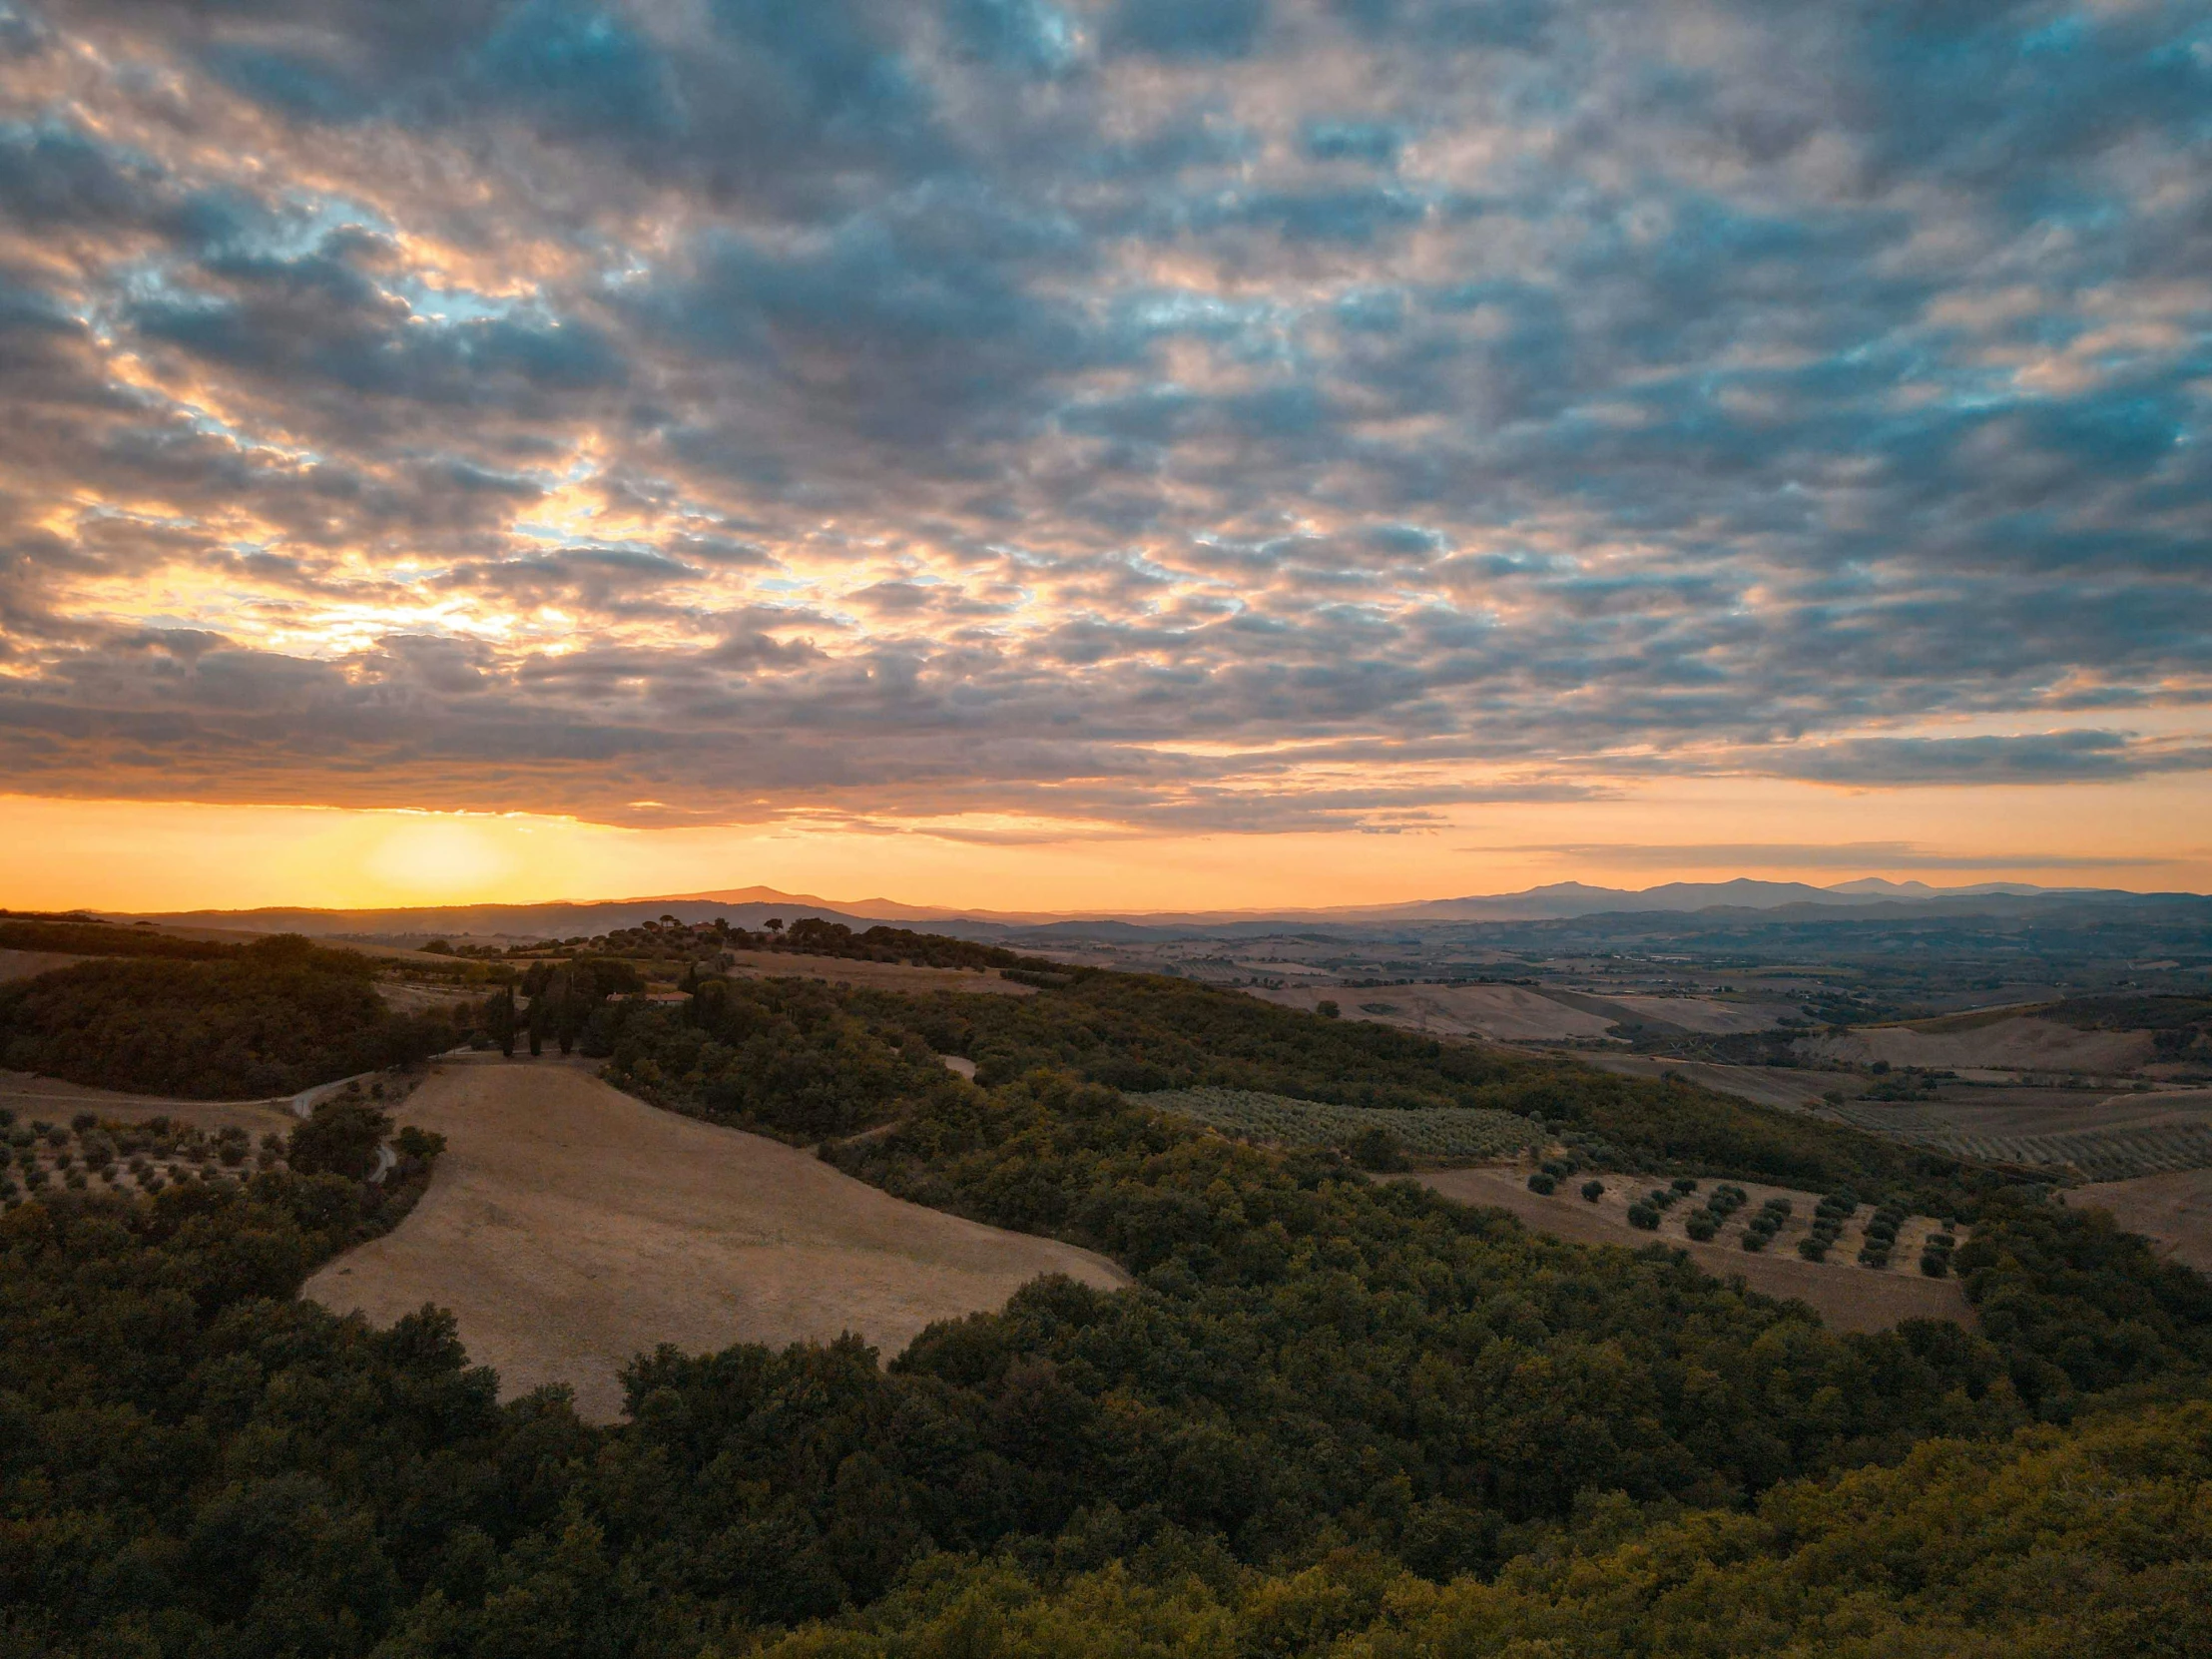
(1333, 1414)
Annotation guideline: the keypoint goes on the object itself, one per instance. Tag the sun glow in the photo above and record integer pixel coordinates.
(438, 857)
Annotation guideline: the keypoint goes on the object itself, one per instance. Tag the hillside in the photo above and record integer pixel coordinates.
(1303, 1412)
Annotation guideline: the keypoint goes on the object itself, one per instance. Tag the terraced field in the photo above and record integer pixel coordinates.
(1444, 1132)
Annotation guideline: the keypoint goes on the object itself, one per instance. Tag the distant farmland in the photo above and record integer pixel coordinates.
(1438, 1132)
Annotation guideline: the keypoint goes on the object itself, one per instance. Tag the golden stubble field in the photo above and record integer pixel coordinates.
(570, 1227)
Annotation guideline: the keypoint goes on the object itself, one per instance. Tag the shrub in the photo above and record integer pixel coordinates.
(1813, 1249)
(1935, 1263)
(1754, 1241)
(1593, 1190)
(1328, 1011)
(1542, 1182)
(1702, 1226)
(1644, 1216)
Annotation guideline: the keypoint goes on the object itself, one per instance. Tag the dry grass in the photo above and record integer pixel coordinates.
(50, 1098)
(2173, 1211)
(28, 964)
(1848, 1296)
(570, 1227)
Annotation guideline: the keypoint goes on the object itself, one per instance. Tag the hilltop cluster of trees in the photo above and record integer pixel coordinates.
(1329, 1414)
(671, 941)
(275, 1018)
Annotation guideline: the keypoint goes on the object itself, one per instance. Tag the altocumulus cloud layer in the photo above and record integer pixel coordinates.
(1154, 412)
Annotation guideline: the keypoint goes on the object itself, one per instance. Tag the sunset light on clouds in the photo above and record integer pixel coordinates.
(1146, 454)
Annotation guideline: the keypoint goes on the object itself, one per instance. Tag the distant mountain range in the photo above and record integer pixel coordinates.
(749, 906)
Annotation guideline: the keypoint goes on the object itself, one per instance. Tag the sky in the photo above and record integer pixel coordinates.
(1128, 453)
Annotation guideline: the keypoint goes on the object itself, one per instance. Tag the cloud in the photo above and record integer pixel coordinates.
(1159, 416)
(2038, 757)
(1187, 28)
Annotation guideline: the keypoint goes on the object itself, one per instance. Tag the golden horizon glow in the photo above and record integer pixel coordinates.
(126, 855)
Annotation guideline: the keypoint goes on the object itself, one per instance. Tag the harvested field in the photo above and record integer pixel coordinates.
(880, 976)
(28, 964)
(49, 1097)
(570, 1227)
(1503, 1013)
(413, 997)
(1445, 1132)
(1701, 1015)
(2107, 1138)
(2173, 1211)
(2007, 1044)
(1848, 1296)
(1787, 1087)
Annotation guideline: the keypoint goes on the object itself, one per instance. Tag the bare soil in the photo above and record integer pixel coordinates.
(1848, 1296)
(570, 1227)
(2172, 1210)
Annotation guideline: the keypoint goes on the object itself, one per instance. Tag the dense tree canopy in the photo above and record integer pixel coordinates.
(1331, 1414)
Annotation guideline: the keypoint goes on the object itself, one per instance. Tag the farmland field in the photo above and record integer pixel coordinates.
(2010, 1044)
(1503, 1013)
(1848, 1296)
(28, 964)
(2113, 1138)
(1789, 1087)
(2172, 1210)
(1442, 1132)
(570, 1227)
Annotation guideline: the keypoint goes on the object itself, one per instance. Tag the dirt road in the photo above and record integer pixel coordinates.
(570, 1227)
